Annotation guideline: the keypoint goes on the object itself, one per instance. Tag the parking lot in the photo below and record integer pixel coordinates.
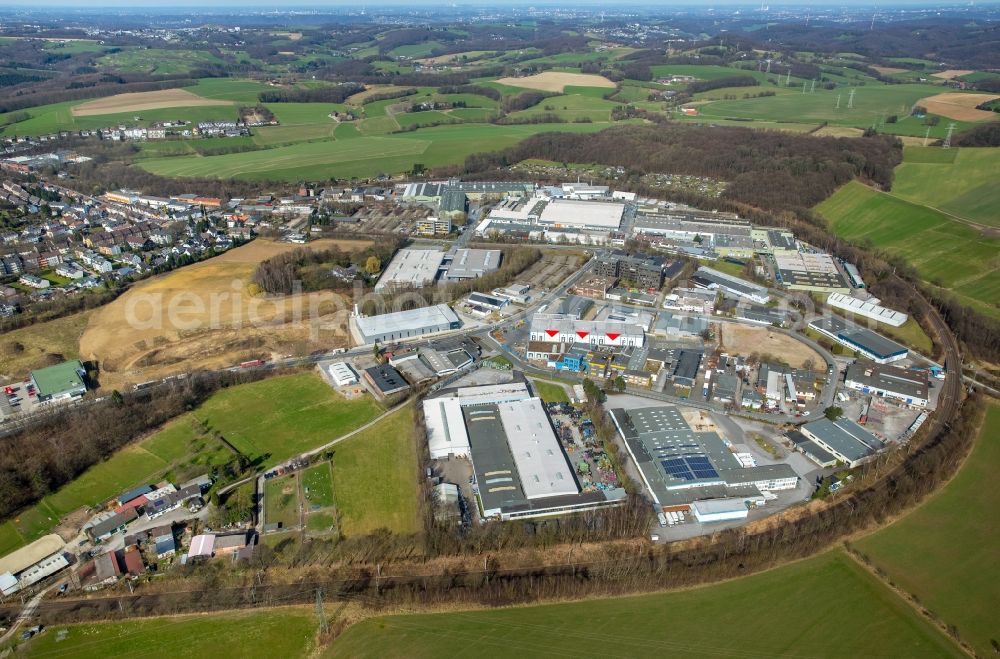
(19, 398)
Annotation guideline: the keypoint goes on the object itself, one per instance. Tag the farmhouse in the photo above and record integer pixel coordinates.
(679, 466)
(60, 382)
(866, 342)
(844, 439)
(401, 325)
(905, 386)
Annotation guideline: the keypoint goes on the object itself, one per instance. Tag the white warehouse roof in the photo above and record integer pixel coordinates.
(572, 213)
(413, 320)
(541, 465)
(446, 434)
(866, 308)
(411, 267)
(342, 373)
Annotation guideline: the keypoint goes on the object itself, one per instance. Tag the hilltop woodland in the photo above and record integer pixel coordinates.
(773, 179)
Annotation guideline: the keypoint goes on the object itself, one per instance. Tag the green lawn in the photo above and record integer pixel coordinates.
(281, 501)
(317, 486)
(945, 552)
(360, 156)
(267, 634)
(962, 182)
(374, 477)
(160, 61)
(573, 107)
(320, 522)
(550, 392)
(909, 333)
(59, 116)
(947, 253)
(280, 417)
(826, 606)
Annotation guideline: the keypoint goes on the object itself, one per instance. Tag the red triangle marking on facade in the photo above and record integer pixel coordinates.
(583, 335)
(551, 333)
(613, 336)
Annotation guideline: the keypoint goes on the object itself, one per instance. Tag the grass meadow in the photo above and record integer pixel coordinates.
(824, 606)
(945, 552)
(962, 182)
(550, 392)
(284, 632)
(947, 253)
(374, 478)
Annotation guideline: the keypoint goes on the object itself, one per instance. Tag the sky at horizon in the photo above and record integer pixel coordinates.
(339, 4)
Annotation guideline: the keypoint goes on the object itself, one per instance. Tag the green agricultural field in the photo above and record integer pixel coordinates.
(158, 61)
(947, 253)
(961, 182)
(360, 156)
(550, 392)
(283, 632)
(573, 107)
(317, 486)
(59, 116)
(945, 552)
(872, 104)
(407, 119)
(416, 50)
(712, 72)
(229, 89)
(300, 122)
(374, 477)
(281, 501)
(800, 610)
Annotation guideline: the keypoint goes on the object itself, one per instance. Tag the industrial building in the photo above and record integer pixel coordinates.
(567, 328)
(809, 271)
(385, 380)
(430, 226)
(694, 300)
(594, 215)
(843, 439)
(520, 468)
(60, 382)
(864, 341)
(342, 374)
(403, 325)
(869, 308)
(411, 268)
(715, 280)
(470, 263)
(641, 270)
(28, 565)
(673, 326)
(679, 466)
(905, 386)
(723, 236)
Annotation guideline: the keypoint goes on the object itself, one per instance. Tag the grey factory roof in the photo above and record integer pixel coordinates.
(730, 282)
(888, 378)
(845, 438)
(411, 267)
(861, 337)
(471, 263)
(496, 473)
(387, 379)
(411, 320)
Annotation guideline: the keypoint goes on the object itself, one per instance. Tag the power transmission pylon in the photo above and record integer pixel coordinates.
(813, 88)
(927, 134)
(838, 102)
(947, 139)
(850, 100)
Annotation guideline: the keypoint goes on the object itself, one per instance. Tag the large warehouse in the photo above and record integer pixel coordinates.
(599, 215)
(809, 271)
(867, 308)
(403, 325)
(716, 280)
(679, 466)
(905, 386)
(521, 471)
(411, 268)
(844, 439)
(866, 342)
